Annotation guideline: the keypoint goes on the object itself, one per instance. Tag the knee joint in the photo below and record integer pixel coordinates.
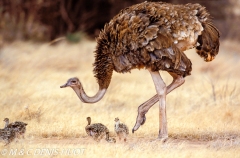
(162, 91)
(180, 80)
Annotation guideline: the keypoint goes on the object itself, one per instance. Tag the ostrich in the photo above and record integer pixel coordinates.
(18, 127)
(121, 129)
(97, 130)
(154, 36)
(7, 134)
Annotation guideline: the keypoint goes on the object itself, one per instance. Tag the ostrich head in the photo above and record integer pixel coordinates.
(72, 82)
(6, 120)
(89, 120)
(116, 119)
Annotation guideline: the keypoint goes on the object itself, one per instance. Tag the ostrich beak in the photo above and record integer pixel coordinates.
(64, 86)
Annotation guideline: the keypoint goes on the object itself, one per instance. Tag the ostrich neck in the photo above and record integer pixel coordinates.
(117, 124)
(85, 98)
(89, 122)
(6, 124)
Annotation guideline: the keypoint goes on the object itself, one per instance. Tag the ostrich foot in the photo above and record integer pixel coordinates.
(163, 135)
(162, 139)
(140, 121)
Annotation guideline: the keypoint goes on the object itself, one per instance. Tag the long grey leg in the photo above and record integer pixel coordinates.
(161, 92)
(143, 108)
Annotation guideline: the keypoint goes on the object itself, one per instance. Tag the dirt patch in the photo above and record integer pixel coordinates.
(189, 143)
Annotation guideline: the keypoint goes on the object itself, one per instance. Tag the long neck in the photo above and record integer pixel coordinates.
(85, 98)
(89, 121)
(6, 124)
(103, 69)
(117, 124)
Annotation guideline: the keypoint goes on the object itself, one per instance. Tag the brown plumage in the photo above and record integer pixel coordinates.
(121, 129)
(151, 35)
(98, 131)
(110, 140)
(17, 126)
(7, 134)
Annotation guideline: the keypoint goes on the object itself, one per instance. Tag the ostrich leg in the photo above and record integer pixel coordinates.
(143, 108)
(161, 92)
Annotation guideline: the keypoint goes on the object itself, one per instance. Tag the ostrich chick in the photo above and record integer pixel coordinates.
(96, 130)
(7, 134)
(121, 130)
(18, 127)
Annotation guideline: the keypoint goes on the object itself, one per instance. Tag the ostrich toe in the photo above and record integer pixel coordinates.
(140, 121)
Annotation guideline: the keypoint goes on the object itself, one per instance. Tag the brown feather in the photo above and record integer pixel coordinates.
(209, 42)
(154, 35)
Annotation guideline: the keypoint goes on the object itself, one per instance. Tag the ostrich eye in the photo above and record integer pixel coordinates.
(74, 81)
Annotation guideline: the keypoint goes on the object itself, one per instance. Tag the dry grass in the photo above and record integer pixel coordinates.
(203, 114)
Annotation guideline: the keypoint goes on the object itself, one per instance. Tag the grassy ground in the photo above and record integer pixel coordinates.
(203, 114)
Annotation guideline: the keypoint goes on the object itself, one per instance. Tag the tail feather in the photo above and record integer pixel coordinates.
(208, 42)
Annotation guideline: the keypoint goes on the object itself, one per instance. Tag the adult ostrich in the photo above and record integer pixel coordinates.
(151, 35)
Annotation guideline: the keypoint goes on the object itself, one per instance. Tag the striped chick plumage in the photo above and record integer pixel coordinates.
(121, 129)
(7, 134)
(17, 126)
(97, 130)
